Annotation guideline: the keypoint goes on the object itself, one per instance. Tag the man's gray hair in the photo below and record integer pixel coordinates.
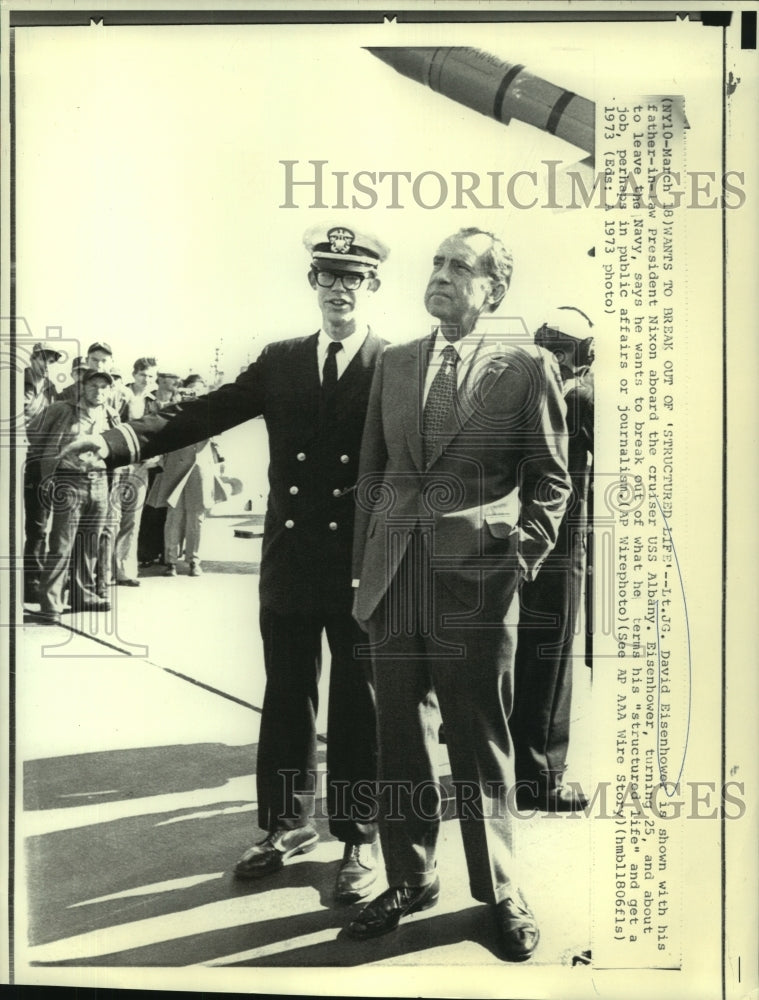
(498, 259)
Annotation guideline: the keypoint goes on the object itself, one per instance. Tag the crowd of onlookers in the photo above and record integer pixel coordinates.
(88, 529)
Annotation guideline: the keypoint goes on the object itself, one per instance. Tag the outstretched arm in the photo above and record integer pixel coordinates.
(180, 424)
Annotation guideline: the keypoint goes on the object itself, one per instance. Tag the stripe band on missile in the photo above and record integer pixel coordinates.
(558, 110)
(503, 86)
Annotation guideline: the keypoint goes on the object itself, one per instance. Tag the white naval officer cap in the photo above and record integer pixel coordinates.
(335, 246)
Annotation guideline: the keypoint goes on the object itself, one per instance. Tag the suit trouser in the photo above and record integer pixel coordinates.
(106, 562)
(132, 490)
(543, 674)
(185, 521)
(150, 535)
(287, 751)
(79, 502)
(462, 663)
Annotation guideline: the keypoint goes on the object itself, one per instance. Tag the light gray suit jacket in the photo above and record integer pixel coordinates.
(493, 494)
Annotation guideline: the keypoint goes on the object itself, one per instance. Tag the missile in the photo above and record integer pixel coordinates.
(498, 89)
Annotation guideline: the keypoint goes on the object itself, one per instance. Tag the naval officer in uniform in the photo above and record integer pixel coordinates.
(313, 393)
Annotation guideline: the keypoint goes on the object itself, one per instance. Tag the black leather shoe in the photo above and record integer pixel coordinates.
(270, 854)
(517, 931)
(384, 913)
(358, 872)
(129, 583)
(563, 798)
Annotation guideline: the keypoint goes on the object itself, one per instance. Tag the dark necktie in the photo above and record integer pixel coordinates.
(439, 401)
(329, 374)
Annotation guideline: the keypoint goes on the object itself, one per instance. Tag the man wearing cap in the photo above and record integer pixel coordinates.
(130, 490)
(312, 392)
(550, 603)
(99, 356)
(70, 394)
(39, 393)
(167, 387)
(150, 538)
(79, 498)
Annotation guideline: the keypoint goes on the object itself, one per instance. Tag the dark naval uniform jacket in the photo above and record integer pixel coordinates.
(314, 449)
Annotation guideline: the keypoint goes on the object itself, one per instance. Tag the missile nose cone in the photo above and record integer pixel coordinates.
(411, 61)
(380, 53)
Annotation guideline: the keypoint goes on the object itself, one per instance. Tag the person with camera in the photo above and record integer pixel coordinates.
(550, 603)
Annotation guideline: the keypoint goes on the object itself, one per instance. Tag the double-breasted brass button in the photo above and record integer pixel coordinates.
(344, 459)
(301, 456)
(289, 524)
(293, 490)
(333, 525)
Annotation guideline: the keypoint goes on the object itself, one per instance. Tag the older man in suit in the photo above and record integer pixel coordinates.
(312, 392)
(462, 486)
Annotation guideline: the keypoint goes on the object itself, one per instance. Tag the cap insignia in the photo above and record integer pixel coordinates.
(340, 240)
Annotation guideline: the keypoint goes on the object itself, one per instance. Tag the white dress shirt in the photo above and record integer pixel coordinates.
(351, 346)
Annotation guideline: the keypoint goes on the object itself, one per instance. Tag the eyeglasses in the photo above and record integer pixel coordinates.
(350, 281)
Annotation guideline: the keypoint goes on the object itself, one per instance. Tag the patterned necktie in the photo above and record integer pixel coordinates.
(439, 400)
(329, 374)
